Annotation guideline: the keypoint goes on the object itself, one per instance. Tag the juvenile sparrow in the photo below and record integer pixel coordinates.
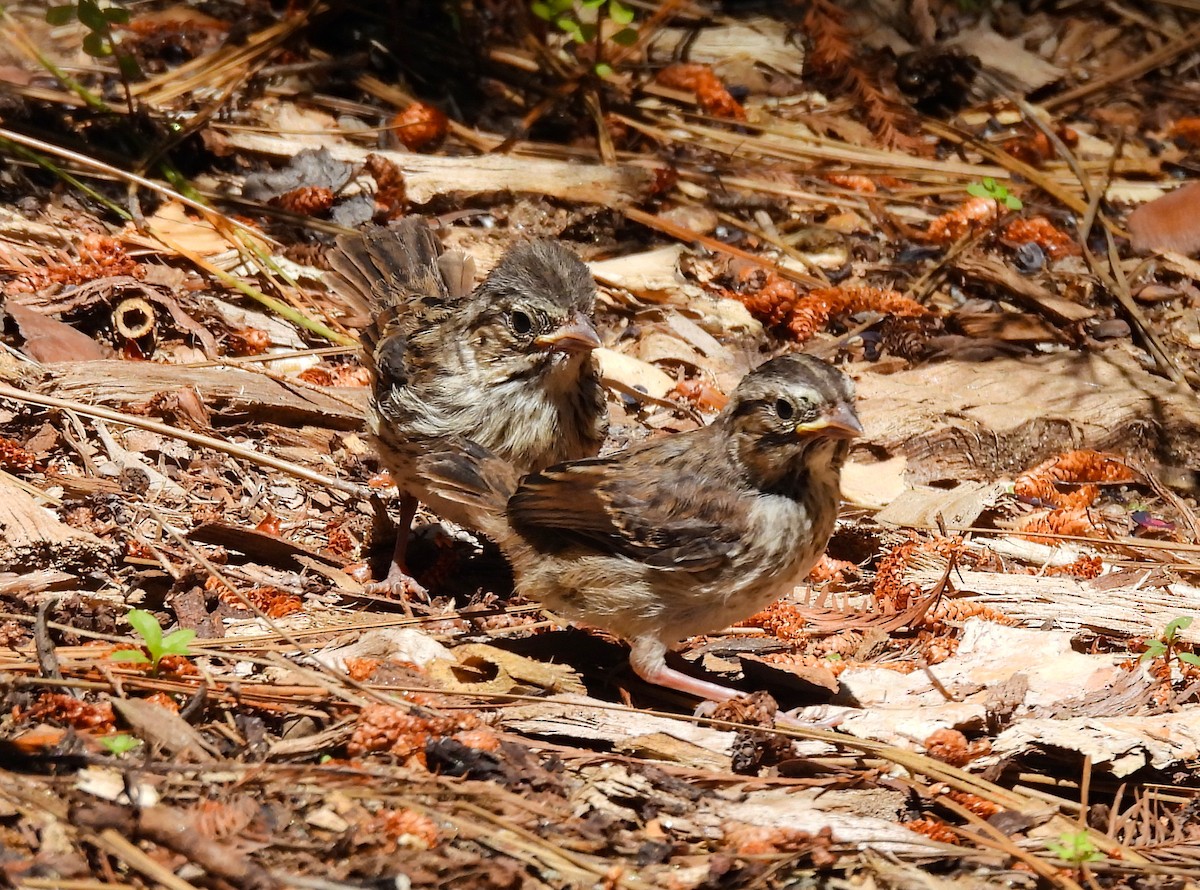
(678, 536)
(507, 364)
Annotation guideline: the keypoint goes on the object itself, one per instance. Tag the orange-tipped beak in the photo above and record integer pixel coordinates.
(840, 423)
(576, 335)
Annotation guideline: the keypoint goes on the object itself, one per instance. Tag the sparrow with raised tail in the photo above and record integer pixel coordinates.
(678, 536)
(506, 364)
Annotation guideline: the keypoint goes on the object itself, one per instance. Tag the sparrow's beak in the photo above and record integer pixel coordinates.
(575, 335)
(839, 423)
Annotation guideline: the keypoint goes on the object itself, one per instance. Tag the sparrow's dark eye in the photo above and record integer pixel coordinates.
(521, 322)
(784, 409)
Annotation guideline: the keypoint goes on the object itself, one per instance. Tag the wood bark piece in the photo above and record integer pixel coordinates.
(957, 420)
(33, 538)
(427, 176)
(574, 717)
(237, 396)
(259, 546)
(1073, 604)
(12, 584)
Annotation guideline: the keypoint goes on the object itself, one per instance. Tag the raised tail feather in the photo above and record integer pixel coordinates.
(475, 481)
(384, 270)
(384, 266)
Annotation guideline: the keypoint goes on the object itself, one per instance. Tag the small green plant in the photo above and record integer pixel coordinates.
(174, 643)
(581, 20)
(100, 42)
(119, 744)
(989, 188)
(1075, 847)
(1166, 646)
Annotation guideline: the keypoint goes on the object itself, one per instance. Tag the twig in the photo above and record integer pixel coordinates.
(1001, 841)
(219, 221)
(198, 439)
(691, 236)
(1134, 69)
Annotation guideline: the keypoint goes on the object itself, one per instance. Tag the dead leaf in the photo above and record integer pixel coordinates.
(634, 373)
(874, 485)
(1008, 56)
(958, 507)
(1171, 222)
(483, 669)
(49, 340)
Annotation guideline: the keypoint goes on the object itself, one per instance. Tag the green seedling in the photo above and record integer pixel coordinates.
(1166, 646)
(99, 42)
(174, 643)
(1075, 847)
(581, 19)
(119, 744)
(989, 188)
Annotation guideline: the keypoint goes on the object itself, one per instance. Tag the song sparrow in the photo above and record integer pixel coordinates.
(507, 364)
(678, 536)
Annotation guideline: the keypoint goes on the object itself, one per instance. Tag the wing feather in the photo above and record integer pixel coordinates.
(599, 505)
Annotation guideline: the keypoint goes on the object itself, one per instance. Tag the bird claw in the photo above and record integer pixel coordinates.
(398, 585)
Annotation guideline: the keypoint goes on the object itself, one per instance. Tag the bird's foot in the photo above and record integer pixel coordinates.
(399, 585)
(723, 702)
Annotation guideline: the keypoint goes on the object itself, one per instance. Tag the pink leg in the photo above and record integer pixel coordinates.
(398, 580)
(648, 660)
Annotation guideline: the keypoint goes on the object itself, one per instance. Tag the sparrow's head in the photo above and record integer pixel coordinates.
(533, 313)
(792, 417)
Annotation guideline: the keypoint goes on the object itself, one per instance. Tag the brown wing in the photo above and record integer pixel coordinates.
(668, 505)
(459, 471)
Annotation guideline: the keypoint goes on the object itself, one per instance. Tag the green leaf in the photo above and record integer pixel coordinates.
(542, 11)
(176, 642)
(1154, 649)
(134, 656)
(92, 16)
(977, 189)
(1075, 846)
(1183, 622)
(626, 37)
(587, 32)
(117, 16)
(60, 15)
(570, 26)
(1189, 658)
(603, 69)
(96, 46)
(146, 626)
(619, 12)
(119, 744)
(1012, 202)
(591, 4)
